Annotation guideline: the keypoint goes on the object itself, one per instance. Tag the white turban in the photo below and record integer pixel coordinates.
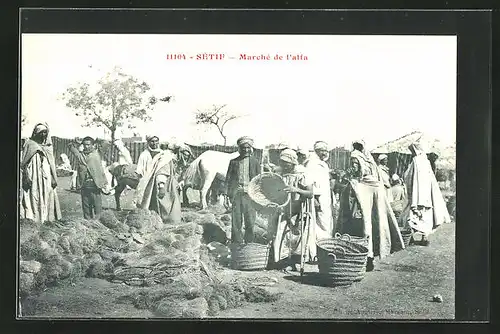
(289, 155)
(320, 145)
(382, 157)
(244, 140)
(150, 137)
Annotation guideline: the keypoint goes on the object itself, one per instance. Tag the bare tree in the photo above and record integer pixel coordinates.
(215, 116)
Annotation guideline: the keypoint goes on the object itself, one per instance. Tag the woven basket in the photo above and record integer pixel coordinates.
(341, 262)
(251, 256)
(266, 189)
(363, 241)
(406, 234)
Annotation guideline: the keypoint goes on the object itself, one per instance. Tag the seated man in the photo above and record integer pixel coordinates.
(300, 190)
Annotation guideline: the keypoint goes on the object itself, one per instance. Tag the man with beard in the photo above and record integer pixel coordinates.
(158, 189)
(319, 174)
(239, 173)
(39, 200)
(146, 157)
(92, 176)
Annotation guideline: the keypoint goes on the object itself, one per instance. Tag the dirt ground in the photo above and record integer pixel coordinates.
(400, 287)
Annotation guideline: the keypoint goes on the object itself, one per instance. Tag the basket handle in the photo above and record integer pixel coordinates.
(347, 237)
(334, 258)
(340, 249)
(338, 235)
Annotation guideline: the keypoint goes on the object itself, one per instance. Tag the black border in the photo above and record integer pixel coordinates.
(473, 124)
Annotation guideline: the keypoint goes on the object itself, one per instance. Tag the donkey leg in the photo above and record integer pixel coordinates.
(204, 190)
(118, 192)
(185, 199)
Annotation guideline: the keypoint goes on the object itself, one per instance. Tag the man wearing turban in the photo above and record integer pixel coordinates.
(300, 190)
(144, 162)
(384, 173)
(93, 178)
(39, 200)
(398, 189)
(365, 210)
(239, 173)
(319, 174)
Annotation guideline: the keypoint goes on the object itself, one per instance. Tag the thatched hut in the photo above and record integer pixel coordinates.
(442, 158)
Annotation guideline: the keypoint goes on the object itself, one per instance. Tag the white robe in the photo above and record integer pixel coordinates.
(319, 173)
(144, 163)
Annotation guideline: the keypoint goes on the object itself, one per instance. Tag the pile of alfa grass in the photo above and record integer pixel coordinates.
(174, 273)
(130, 252)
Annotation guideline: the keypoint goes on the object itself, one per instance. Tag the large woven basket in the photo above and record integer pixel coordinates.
(363, 241)
(251, 256)
(341, 262)
(266, 189)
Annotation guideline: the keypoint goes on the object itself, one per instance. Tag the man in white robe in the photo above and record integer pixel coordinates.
(318, 172)
(146, 157)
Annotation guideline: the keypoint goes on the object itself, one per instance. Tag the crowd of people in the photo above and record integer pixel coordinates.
(363, 194)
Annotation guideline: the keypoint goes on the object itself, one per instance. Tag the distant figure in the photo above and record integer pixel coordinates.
(39, 178)
(385, 175)
(240, 171)
(92, 177)
(398, 190)
(65, 165)
(426, 208)
(301, 159)
(124, 157)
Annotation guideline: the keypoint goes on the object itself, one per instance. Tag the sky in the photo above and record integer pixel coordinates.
(375, 88)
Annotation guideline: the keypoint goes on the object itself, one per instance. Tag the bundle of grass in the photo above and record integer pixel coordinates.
(144, 220)
(224, 296)
(189, 309)
(26, 284)
(256, 294)
(31, 267)
(171, 251)
(189, 216)
(183, 287)
(109, 219)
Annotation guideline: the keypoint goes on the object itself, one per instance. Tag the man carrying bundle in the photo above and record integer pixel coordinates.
(239, 173)
(92, 176)
(301, 190)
